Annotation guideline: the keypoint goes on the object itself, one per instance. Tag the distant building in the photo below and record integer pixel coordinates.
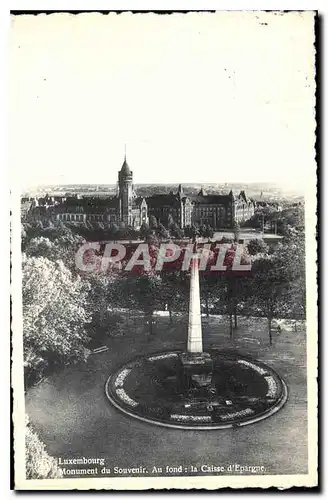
(217, 210)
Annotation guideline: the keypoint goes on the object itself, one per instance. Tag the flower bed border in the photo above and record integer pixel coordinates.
(111, 388)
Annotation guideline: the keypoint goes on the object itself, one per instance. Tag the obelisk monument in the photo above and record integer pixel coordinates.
(197, 364)
(195, 336)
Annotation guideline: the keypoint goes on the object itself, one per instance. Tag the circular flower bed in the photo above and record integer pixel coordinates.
(237, 391)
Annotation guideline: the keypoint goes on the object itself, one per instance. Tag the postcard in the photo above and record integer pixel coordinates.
(164, 295)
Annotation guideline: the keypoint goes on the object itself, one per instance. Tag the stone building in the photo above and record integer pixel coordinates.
(217, 210)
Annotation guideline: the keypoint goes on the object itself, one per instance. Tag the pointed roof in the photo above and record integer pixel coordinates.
(180, 192)
(125, 167)
(202, 192)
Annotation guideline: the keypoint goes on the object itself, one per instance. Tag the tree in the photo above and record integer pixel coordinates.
(236, 231)
(162, 232)
(112, 231)
(230, 285)
(208, 286)
(144, 230)
(43, 247)
(98, 297)
(256, 246)
(152, 239)
(174, 291)
(170, 221)
(192, 231)
(63, 248)
(176, 231)
(54, 311)
(38, 463)
(23, 236)
(153, 222)
(268, 287)
(146, 291)
(290, 218)
(291, 255)
(209, 231)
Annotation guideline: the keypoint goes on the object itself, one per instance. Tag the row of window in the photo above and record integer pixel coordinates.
(78, 217)
(70, 217)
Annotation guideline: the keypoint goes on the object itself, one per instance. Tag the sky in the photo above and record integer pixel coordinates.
(226, 97)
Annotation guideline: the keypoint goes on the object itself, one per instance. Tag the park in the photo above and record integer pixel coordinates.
(77, 409)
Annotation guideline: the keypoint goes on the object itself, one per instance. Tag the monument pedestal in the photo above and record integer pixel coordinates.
(198, 368)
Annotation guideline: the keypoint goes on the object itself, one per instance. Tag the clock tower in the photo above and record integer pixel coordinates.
(125, 193)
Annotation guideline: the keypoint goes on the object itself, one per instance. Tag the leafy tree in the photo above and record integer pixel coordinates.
(54, 311)
(148, 288)
(174, 291)
(230, 285)
(23, 236)
(268, 286)
(141, 292)
(170, 221)
(152, 239)
(98, 297)
(202, 230)
(144, 230)
(153, 222)
(290, 218)
(209, 231)
(236, 231)
(176, 231)
(162, 232)
(192, 231)
(208, 286)
(114, 229)
(291, 255)
(63, 248)
(43, 247)
(38, 463)
(256, 246)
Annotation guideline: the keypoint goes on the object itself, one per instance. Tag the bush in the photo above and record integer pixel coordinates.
(257, 246)
(39, 464)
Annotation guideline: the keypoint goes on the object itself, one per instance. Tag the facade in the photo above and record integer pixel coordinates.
(216, 210)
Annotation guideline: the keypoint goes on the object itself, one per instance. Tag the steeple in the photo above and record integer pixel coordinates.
(202, 192)
(125, 191)
(180, 192)
(125, 167)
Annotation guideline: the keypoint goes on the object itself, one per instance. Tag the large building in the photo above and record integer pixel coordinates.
(216, 210)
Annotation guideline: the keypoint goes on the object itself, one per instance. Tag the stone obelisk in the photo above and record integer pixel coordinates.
(195, 337)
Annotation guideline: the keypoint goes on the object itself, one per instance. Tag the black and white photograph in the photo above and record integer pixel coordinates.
(163, 253)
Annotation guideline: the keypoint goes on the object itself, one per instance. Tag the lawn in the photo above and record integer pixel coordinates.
(74, 418)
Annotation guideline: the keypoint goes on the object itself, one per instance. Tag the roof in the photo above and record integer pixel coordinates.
(211, 199)
(159, 200)
(125, 168)
(87, 205)
(138, 200)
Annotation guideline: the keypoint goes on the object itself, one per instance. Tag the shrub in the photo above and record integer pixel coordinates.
(39, 464)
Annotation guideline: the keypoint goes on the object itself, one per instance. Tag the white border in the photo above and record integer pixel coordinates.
(138, 5)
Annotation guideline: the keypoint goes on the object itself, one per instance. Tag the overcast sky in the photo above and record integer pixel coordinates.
(196, 98)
